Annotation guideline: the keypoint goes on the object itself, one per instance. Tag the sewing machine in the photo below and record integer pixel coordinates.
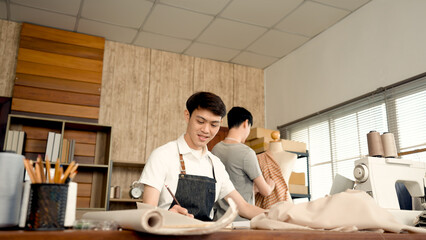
(377, 176)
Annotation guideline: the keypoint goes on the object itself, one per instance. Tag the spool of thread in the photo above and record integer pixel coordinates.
(375, 147)
(389, 146)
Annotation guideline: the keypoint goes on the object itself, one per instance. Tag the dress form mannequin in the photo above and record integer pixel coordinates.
(284, 159)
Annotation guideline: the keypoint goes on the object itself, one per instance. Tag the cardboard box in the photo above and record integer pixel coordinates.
(259, 133)
(297, 178)
(259, 145)
(298, 189)
(294, 146)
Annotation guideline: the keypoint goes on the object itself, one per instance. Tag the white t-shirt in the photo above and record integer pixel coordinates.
(163, 168)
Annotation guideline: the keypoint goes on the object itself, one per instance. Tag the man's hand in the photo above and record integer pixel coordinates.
(178, 209)
(264, 187)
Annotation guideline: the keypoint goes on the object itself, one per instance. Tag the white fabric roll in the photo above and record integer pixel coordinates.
(389, 146)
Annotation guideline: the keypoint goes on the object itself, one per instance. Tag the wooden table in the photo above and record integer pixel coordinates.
(224, 234)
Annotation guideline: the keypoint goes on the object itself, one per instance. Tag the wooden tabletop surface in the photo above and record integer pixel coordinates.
(223, 234)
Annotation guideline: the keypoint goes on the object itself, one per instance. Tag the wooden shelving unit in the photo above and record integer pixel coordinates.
(303, 155)
(92, 152)
(125, 200)
(123, 175)
(129, 164)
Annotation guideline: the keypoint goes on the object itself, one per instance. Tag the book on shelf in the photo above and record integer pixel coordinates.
(49, 146)
(56, 146)
(21, 142)
(15, 138)
(64, 150)
(71, 150)
(15, 141)
(9, 140)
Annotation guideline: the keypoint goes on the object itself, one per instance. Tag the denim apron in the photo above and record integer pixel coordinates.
(196, 193)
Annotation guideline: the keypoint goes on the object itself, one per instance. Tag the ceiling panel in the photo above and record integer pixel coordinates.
(249, 32)
(3, 11)
(263, 13)
(254, 60)
(151, 40)
(126, 13)
(25, 14)
(110, 32)
(350, 5)
(230, 34)
(311, 18)
(211, 52)
(277, 44)
(211, 7)
(61, 6)
(176, 22)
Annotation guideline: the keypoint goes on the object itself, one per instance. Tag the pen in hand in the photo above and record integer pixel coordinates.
(182, 210)
(173, 196)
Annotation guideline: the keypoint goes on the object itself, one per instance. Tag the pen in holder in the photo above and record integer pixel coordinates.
(48, 195)
(47, 205)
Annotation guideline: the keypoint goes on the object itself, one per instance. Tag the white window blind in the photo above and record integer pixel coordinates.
(335, 139)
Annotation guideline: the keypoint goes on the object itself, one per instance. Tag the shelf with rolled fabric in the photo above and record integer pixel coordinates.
(301, 191)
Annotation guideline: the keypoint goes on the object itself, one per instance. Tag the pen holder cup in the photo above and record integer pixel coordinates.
(47, 206)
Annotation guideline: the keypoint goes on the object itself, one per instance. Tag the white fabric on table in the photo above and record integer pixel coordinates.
(348, 211)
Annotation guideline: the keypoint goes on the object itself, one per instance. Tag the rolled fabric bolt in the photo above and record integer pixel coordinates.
(389, 146)
(375, 147)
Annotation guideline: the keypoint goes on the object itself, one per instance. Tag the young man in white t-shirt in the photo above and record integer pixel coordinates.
(196, 177)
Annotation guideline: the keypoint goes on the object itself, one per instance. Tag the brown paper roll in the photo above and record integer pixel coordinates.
(389, 146)
(375, 147)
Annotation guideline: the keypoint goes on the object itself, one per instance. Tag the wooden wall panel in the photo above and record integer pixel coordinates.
(124, 177)
(36, 140)
(58, 73)
(81, 136)
(62, 36)
(57, 84)
(59, 60)
(33, 106)
(9, 41)
(45, 95)
(124, 101)
(249, 92)
(107, 98)
(171, 83)
(61, 48)
(216, 77)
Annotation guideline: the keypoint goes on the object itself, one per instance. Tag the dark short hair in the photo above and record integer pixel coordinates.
(208, 101)
(237, 115)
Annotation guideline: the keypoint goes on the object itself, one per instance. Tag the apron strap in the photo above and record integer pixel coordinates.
(182, 164)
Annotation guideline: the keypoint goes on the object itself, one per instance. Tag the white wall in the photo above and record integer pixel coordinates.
(382, 43)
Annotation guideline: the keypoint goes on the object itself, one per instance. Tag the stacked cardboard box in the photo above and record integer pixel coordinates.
(297, 183)
(294, 146)
(259, 139)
